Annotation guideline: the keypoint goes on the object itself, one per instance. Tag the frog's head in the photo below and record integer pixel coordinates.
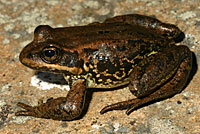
(45, 54)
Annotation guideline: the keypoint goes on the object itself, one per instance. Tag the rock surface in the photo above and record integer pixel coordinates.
(18, 19)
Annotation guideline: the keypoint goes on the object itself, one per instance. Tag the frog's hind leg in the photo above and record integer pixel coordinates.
(167, 89)
(169, 31)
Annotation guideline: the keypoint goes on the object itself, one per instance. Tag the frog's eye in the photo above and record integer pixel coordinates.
(49, 54)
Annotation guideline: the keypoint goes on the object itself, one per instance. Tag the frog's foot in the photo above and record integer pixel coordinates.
(29, 110)
(58, 109)
(130, 105)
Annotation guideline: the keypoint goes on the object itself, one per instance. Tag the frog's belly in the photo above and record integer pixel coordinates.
(107, 83)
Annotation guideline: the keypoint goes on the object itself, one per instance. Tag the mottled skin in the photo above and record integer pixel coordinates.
(133, 50)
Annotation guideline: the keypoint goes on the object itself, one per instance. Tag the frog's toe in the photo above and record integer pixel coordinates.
(25, 113)
(29, 110)
(105, 109)
(24, 106)
(117, 106)
(129, 104)
(131, 109)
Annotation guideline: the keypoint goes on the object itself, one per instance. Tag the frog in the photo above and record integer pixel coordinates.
(133, 50)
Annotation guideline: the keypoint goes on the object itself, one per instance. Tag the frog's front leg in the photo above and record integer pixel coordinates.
(164, 77)
(63, 108)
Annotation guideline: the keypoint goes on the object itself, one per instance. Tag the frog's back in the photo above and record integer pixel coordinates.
(106, 52)
(109, 55)
(83, 36)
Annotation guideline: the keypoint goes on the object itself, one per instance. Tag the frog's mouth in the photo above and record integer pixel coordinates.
(38, 64)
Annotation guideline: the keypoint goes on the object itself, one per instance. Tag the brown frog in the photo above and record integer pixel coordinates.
(129, 50)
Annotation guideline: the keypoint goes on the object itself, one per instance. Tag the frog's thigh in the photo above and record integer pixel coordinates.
(173, 86)
(156, 69)
(177, 83)
(149, 23)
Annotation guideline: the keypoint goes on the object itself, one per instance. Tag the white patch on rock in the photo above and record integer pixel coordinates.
(116, 125)
(6, 41)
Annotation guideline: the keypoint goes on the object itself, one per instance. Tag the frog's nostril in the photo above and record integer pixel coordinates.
(30, 55)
